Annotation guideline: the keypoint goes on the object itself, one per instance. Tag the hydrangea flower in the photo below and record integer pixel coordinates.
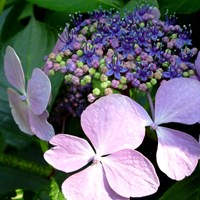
(177, 100)
(147, 50)
(28, 107)
(115, 171)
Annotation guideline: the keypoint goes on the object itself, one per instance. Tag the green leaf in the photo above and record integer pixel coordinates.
(32, 44)
(12, 178)
(187, 189)
(56, 82)
(55, 192)
(179, 6)
(130, 5)
(2, 4)
(78, 5)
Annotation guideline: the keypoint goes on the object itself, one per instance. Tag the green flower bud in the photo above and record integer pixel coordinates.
(123, 80)
(79, 64)
(108, 83)
(103, 77)
(138, 59)
(191, 72)
(102, 61)
(165, 64)
(83, 82)
(58, 58)
(97, 75)
(153, 81)
(62, 63)
(96, 91)
(120, 86)
(79, 52)
(92, 71)
(148, 84)
(186, 74)
(104, 85)
(87, 79)
(142, 24)
(174, 36)
(68, 78)
(51, 72)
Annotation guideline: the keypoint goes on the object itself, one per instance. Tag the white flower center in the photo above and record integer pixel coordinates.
(96, 159)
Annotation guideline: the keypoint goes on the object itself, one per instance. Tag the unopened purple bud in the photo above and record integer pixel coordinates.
(95, 64)
(49, 64)
(91, 98)
(56, 66)
(170, 45)
(78, 72)
(76, 45)
(165, 39)
(75, 57)
(85, 68)
(115, 83)
(143, 55)
(99, 52)
(75, 80)
(142, 87)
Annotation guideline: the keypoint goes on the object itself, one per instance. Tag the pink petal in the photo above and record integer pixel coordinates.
(178, 100)
(113, 123)
(130, 174)
(40, 126)
(70, 153)
(38, 91)
(13, 70)
(197, 64)
(177, 153)
(19, 111)
(88, 184)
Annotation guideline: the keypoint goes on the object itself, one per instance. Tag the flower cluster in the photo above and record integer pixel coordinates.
(113, 54)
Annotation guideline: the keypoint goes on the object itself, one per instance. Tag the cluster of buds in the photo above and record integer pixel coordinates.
(110, 54)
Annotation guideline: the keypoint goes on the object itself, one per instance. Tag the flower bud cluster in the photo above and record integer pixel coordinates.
(113, 54)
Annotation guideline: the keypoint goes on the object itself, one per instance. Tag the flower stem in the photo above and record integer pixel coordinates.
(25, 165)
(151, 104)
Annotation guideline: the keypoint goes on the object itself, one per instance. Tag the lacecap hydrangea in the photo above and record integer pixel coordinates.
(105, 53)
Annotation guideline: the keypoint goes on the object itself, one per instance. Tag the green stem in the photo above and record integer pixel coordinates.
(151, 104)
(25, 165)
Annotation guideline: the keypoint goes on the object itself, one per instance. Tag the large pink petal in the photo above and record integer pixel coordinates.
(90, 184)
(38, 91)
(130, 174)
(113, 123)
(40, 126)
(177, 153)
(197, 64)
(19, 111)
(70, 153)
(178, 100)
(13, 70)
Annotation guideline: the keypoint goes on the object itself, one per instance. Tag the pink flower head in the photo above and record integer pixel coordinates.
(28, 108)
(113, 126)
(177, 100)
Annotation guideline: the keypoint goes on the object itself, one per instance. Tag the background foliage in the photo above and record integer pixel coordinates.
(32, 28)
